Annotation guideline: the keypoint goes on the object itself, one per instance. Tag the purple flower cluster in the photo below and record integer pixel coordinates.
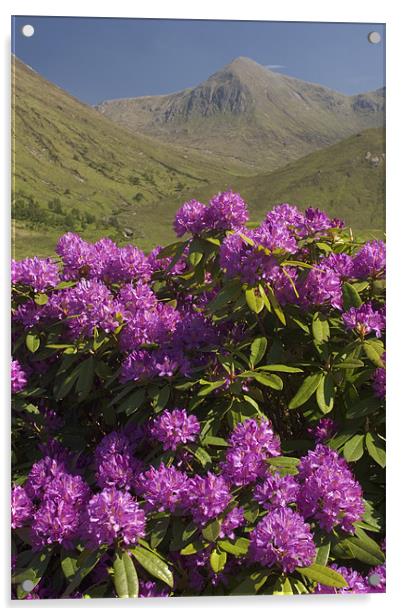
(225, 211)
(207, 497)
(18, 377)
(282, 538)
(379, 380)
(174, 428)
(111, 515)
(251, 444)
(114, 462)
(324, 430)
(164, 488)
(58, 518)
(329, 493)
(369, 262)
(39, 274)
(102, 260)
(364, 320)
(276, 491)
(21, 507)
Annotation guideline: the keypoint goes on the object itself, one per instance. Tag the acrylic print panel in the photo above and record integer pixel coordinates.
(198, 321)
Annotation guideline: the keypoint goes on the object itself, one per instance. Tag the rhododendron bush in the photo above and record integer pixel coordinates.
(207, 419)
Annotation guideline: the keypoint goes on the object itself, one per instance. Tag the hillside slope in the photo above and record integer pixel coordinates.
(250, 117)
(97, 176)
(346, 180)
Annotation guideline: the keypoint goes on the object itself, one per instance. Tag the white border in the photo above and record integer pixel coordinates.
(368, 11)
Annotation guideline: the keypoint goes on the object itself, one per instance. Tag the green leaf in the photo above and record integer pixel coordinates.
(325, 393)
(280, 368)
(320, 328)
(323, 554)
(228, 293)
(282, 586)
(353, 449)
(85, 378)
(215, 441)
(361, 547)
(285, 464)
(364, 407)
(258, 349)
(251, 584)
(153, 564)
(374, 350)
(211, 531)
(32, 342)
(349, 364)
(277, 308)
(41, 299)
(125, 577)
(162, 398)
(194, 547)
(63, 388)
(204, 391)
(376, 448)
(351, 297)
(217, 560)
(132, 403)
(87, 560)
(201, 454)
(270, 380)
(256, 304)
(237, 547)
(306, 390)
(34, 571)
(69, 564)
(159, 530)
(323, 575)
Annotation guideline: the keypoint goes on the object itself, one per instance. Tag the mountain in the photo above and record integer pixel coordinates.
(249, 117)
(75, 169)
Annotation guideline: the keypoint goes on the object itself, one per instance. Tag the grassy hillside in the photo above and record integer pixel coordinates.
(250, 117)
(346, 180)
(75, 169)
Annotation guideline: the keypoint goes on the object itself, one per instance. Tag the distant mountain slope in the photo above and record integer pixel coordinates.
(346, 180)
(250, 117)
(66, 153)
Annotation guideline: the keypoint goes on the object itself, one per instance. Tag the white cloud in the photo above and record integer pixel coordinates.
(274, 66)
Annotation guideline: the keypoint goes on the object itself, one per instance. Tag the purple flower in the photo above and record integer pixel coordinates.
(233, 520)
(190, 218)
(324, 430)
(173, 428)
(21, 507)
(42, 474)
(163, 489)
(288, 215)
(137, 366)
(322, 286)
(88, 305)
(18, 377)
(376, 579)
(364, 320)
(315, 221)
(370, 261)
(39, 274)
(251, 444)
(113, 515)
(150, 589)
(282, 538)
(355, 583)
(128, 264)
(379, 382)
(59, 517)
(207, 497)
(341, 264)
(227, 210)
(276, 491)
(114, 461)
(329, 493)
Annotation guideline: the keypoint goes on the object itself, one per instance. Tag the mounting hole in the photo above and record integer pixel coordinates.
(374, 579)
(374, 37)
(28, 30)
(28, 585)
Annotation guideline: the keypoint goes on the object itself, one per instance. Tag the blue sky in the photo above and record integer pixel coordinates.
(97, 59)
